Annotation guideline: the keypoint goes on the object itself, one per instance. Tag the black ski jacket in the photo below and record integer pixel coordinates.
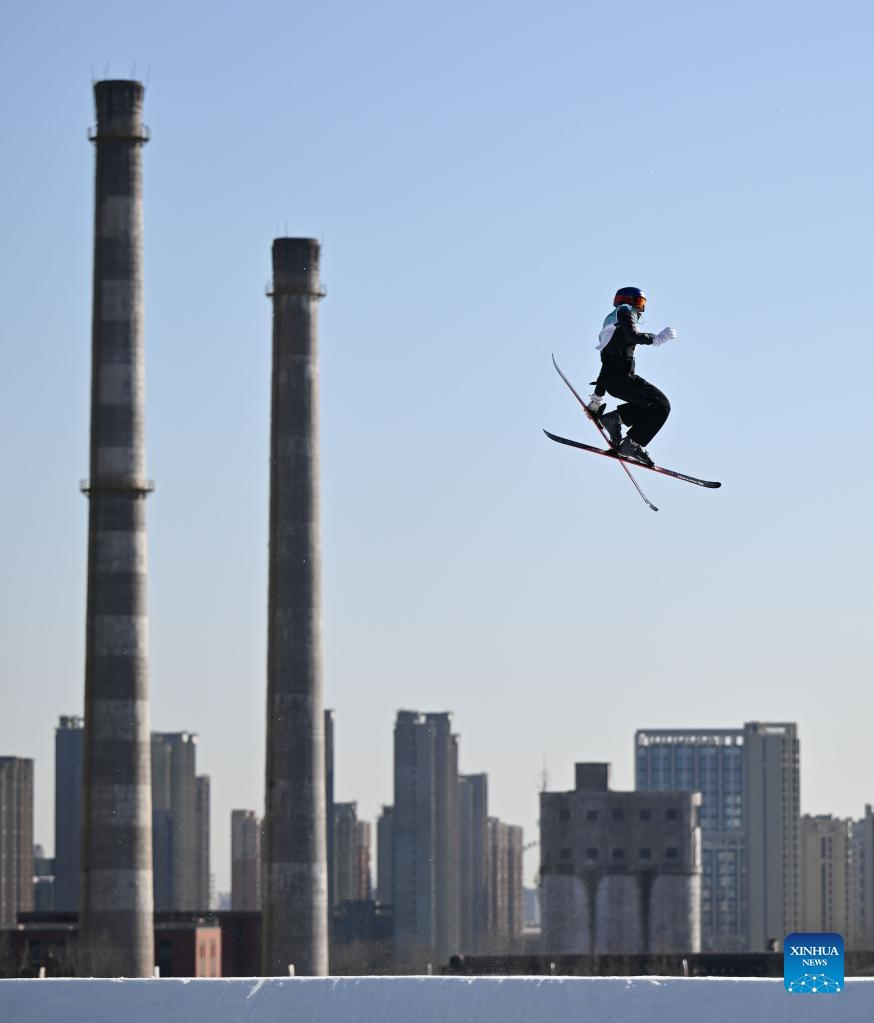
(617, 356)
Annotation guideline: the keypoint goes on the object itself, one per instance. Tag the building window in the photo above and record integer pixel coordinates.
(591, 815)
(618, 814)
(591, 854)
(672, 852)
(618, 854)
(565, 854)
(671, 815)
(644, 815)
(564, 815)
(646, 853)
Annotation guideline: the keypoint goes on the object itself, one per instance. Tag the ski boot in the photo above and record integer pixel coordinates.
(612, 425)
(631, 449)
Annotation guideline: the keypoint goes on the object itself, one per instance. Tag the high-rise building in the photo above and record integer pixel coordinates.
(384, 856)
(749, 784)
(474, 874)
(771, 814)
(69, 750)
(709, 761)
(620, 871)
(515, 885)
(43, 881)
(351, 854)
(16, 839)
(826, 846)
(497, 892)
(175, 854)
(413, 825)
(505, 890)
(363, 859)
(203, 878)
(345, 816)
(531, 908)
(446, 846)
(425, 829)
(245, 860)
(860, 929)
(861, 884)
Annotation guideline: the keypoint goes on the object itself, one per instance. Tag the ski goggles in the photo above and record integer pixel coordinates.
(637, 302)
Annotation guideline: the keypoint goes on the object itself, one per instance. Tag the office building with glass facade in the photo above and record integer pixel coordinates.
(709, 761)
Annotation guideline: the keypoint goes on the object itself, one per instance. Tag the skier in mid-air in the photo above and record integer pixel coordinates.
(644, 408)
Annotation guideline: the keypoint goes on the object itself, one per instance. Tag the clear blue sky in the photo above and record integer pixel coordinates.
(483, 177)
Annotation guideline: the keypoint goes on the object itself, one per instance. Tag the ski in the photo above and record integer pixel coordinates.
(600, 429)
(633, 461)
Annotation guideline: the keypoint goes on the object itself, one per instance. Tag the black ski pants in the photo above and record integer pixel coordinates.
(645, 408)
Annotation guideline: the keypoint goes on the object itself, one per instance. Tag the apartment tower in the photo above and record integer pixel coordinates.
(772, 819)
(245, 860)
(69, 749)
(16, 839)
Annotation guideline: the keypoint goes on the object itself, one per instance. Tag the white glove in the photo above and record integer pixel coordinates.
(596, 402)
(668, 334)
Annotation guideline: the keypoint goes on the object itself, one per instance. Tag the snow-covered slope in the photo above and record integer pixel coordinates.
(428, 1000)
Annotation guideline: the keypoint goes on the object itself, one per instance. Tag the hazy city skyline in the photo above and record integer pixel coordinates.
(473, 218)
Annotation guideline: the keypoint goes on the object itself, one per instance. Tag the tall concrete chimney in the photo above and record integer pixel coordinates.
(115, 914)
(295, 874)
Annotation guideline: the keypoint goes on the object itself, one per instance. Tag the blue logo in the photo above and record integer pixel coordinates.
(813, 964)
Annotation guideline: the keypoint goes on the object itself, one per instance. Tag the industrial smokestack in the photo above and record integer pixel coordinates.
(116, 927)
(295, 876)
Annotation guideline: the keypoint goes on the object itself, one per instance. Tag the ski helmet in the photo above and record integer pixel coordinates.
(630, 296)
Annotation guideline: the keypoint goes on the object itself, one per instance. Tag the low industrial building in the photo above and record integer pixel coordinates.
(620, 871)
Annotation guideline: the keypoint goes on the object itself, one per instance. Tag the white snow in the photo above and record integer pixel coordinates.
(428, 1000)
